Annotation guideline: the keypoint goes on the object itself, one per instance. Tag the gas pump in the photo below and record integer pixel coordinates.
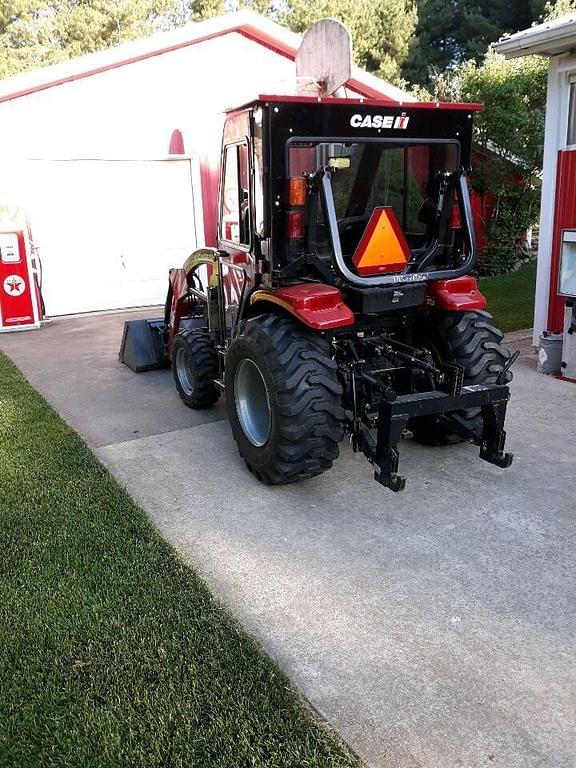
(21, 305)
(569, 341)
(567, 288)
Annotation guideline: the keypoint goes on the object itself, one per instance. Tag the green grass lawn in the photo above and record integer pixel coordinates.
(112, 651)
(511, 297)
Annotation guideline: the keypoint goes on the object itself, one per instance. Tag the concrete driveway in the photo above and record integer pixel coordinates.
(433, 628)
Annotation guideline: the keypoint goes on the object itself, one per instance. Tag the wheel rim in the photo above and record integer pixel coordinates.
(185, 371)
(252, 402)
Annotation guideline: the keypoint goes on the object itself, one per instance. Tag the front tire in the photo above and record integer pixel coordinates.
(194, 367)
(284, 400)
(468, 339)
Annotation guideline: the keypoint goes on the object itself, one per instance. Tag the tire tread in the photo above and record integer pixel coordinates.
(308, 395)
(469, 339)
(205, 358)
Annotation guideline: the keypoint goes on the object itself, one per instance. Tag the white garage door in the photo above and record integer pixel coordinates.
(107, 231)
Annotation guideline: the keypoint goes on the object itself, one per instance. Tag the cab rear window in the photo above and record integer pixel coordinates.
(403, 176)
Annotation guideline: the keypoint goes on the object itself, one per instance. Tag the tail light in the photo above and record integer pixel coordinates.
(297, 191)
(295, 224)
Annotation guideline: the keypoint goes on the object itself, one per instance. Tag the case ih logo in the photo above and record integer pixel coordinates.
(379, 121)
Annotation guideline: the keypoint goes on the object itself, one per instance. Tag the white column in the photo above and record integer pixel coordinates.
(557, 91)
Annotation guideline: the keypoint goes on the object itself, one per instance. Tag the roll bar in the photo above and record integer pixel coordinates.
(401, 277)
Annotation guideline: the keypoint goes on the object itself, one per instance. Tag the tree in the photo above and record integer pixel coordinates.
(514, 95)
(452, 31)
(381, 29)
(85, 27)
(510, 131)
(206, 9)
(26, 35)
(559, 8)
(34, 33)
(199, 10)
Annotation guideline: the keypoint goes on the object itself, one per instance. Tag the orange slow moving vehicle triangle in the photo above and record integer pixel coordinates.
(382, 247)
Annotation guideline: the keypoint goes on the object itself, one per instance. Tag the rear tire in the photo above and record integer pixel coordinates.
(469, 339)
(284, 400)
(195, 366)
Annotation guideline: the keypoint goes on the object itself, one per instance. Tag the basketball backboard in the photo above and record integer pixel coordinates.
(324, 58)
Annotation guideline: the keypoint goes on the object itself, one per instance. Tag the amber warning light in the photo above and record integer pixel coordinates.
(297, 193)
(298, 189)
(382, 247)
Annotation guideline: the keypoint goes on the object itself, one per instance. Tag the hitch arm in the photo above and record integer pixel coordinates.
(383, 454)
(493, 435)
(393, 415)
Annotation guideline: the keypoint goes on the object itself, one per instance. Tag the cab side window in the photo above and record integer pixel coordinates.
(235, 220)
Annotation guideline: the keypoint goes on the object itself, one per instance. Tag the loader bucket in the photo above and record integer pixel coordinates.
(143, 346)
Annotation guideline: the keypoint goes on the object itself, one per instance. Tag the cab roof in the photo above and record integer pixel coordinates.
(265, 99)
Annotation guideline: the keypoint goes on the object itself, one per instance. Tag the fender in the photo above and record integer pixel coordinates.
(316, 305)
(179, 282)
(457, 295)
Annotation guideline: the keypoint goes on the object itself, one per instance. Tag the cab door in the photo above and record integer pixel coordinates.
(235, 234)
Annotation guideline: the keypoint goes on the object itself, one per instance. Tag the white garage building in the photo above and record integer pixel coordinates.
(114, 156)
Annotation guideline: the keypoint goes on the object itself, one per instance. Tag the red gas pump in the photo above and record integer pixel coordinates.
(20, 298)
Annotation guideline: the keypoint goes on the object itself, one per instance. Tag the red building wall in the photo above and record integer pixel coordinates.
(564, 218)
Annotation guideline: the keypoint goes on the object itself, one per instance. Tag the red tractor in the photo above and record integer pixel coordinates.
(339, 300)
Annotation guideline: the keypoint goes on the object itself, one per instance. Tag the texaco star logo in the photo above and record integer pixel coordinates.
(14, 285)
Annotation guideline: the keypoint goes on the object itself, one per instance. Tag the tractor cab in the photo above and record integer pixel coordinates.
(355, 193)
